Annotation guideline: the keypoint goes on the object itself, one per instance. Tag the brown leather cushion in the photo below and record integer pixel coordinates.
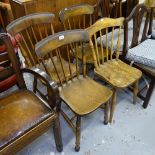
(19, 112)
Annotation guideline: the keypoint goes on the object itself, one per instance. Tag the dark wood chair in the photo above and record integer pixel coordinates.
(111, 69)
(138, 13)
(33, 28)
(23, 115)
(80, 93)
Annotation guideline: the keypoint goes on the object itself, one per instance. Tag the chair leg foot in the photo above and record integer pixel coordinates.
(77, 148)
(59, 148)
(78, 132)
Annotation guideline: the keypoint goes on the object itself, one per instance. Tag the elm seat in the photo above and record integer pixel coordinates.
(20, 112)
(51, 70)
(92, 96)
(118, 73)
(143, 53)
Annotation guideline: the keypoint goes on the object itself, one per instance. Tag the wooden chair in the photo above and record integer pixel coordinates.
(23, 115)
(111, 69)
(143, 44)
(80, 93)
(33, 28)
(86, 15)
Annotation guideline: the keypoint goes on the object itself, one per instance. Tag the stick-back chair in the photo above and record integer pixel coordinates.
(111, 69)
(81, 94)
(23, 115)
(86, 15)
(33, 28)
(141, 50)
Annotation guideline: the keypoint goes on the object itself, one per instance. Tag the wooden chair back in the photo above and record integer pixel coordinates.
(32, 28)
(66, 41)
(96, 30)
(83, 12)
(14, 67)
(139, 14)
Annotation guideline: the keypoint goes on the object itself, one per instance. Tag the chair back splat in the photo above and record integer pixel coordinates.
(140, 14)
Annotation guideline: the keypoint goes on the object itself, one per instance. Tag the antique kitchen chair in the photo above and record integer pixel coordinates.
(86, 15)
(23, 115)
(141, 53)
(33, 28)
(111, 69)
(80, 93)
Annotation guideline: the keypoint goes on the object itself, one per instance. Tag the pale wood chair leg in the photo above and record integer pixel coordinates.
(78, 132)
(135, 92)
(113, 104)
(106, 113)
(57, 134)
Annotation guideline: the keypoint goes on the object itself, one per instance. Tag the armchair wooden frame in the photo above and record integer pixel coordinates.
(21, 135)
(80, 93)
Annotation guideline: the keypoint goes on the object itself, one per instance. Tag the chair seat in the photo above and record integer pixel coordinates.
(143, 53)
(84, 95)
(20, 112)
(89, 54)
(52, 72)
(118, 73)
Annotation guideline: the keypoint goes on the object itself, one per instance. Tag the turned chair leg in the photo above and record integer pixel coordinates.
(135, 92)
(78, 132)
(149, 93)
(57, 134)
(106, 113)
(113, 103)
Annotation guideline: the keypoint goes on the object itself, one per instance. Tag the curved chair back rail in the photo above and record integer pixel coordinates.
(72, 11)
(27, 21)
(59, 39)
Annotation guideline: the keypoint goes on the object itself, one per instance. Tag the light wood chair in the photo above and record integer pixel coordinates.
(86, 15)
(111, 69)
(23, 115)
(33, 28)
(80, 93)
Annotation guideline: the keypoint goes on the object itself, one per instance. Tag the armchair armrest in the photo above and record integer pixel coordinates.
(52, 88)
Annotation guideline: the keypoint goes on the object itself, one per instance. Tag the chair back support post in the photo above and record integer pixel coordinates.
(13, 59)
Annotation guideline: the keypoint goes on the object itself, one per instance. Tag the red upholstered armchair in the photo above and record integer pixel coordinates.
(10, 80)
